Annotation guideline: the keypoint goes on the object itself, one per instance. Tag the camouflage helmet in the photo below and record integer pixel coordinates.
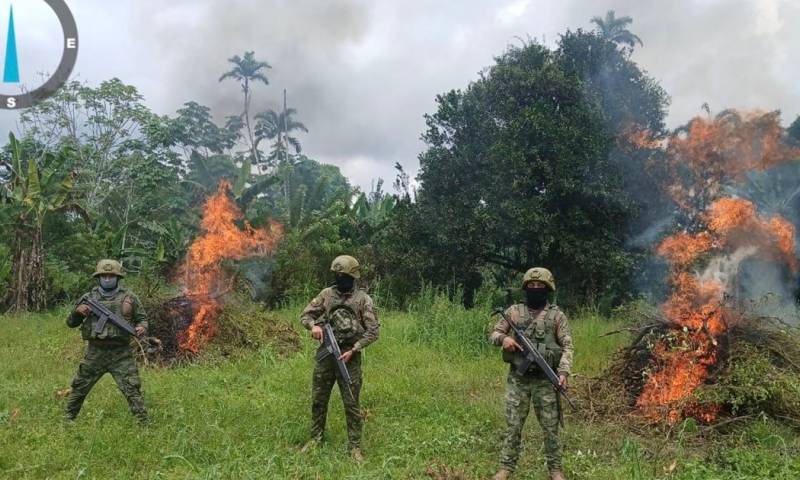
(108, 267)
(539, 274)
(346, 264)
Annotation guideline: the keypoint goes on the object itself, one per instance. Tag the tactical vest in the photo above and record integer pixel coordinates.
(345, 319)
(122, 304)
(541, 331)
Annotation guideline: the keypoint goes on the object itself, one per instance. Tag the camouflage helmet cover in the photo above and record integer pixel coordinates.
(346, 264)
(108, 267)
(539, 274)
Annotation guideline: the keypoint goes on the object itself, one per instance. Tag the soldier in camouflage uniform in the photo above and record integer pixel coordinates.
(355, 325)
(546, 326)
(109, 350)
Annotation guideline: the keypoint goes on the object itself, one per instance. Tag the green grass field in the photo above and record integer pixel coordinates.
(430, 413)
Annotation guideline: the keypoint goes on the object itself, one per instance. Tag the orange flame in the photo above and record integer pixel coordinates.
(221, 240)
(736, 223)
(710, 155)
(639, 137)
(682, 249)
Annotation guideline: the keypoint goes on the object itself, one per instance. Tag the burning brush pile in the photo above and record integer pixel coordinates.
(717, 347)
(210, 303)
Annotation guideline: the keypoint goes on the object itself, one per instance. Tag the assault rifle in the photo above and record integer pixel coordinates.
(531, 356)
(105, 315)
(331, 347)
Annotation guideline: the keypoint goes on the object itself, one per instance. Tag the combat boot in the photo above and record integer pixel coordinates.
(502, 474)
(557, 475)
(356, 454)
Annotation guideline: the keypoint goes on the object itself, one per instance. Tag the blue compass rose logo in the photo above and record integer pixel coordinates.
(11, 64)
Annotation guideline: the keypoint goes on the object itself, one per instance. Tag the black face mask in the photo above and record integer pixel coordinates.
(536, 297)
(344, 283)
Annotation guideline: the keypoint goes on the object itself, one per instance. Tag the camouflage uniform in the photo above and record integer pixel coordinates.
(352, 332)
(547, 327)
(108, 351)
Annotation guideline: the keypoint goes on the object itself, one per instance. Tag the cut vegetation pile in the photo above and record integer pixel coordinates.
(757, 373)
(241, 326)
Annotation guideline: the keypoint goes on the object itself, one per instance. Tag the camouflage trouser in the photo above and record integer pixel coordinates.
(119, 362)
(519, 393)
(325, 375)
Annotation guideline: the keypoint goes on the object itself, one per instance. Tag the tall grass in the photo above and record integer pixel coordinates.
(442, 323)
(246, 416)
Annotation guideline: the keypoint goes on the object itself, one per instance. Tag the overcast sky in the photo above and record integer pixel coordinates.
(363, 73)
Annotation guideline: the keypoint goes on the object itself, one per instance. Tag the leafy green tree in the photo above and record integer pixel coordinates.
(519, 171)
(105, 126)
(615, 29)
(630, 102)
(308, 188)
(247, 70)
(794, 130)
(125, 166)
(375, 208)
(195, 130)
(325, 217)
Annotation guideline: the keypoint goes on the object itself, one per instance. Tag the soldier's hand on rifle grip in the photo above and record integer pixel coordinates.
(346, 356)
(316, 333)
(562, 381)
(140, 331)
(510, 345)
(83, 310)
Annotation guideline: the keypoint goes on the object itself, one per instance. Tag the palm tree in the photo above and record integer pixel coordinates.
(615, 29)
(247, 70)
(278, 126)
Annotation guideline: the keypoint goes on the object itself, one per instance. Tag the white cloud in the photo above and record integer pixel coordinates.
(362, 73)
(513, 11)
(768, 21)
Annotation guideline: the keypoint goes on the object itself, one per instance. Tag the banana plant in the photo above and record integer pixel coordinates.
(207, 172)
(38, 187)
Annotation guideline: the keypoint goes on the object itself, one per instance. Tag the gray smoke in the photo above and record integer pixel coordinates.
(730, 54)
(742, 62)
(360, 73)
(764, 287)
